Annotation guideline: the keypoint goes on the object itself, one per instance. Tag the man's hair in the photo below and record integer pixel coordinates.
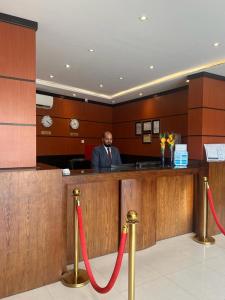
(104, 133)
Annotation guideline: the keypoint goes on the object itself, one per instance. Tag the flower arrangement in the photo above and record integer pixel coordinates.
(162, 137)
(171, 140)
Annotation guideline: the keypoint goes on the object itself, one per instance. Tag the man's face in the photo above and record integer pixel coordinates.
(107, 140)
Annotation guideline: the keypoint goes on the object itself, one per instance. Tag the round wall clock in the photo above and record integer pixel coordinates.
(46, 121)
(74, 123)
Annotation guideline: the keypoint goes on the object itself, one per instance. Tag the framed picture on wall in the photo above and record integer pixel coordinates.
(156, 126)
(138, 128)
(146, 138)
(147, 126)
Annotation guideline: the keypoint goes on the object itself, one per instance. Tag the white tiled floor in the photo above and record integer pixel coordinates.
(177, 268)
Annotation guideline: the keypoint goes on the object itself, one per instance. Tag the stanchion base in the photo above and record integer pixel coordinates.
(69, 280)
(205, 241)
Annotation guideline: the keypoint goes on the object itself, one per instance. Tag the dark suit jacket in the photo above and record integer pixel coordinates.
(100, 158)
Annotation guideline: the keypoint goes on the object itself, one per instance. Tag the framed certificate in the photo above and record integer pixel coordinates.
(147, 126)
(138, 128)
(146, 138)
(156, 127)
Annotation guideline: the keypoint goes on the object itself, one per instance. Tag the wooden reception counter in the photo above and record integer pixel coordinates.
(36, 215)
(163, 199)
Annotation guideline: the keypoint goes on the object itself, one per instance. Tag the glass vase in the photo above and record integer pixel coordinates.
(163, 159)
(171, 156)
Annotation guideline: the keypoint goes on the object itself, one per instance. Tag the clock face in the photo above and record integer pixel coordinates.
(46, 121)
(74, 123)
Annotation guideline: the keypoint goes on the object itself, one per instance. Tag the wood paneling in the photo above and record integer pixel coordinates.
(195, 121)
(216, 179)
(100, 207)
(18, 146)
(32, 230)
(140, 195)
(61, 127)
(94, 119)
(174, 206)
(214, 93)
(195, 93)
(213, 122)
(18, 55)
(171, 104)
(17, 101)
(64, 108)
(62, 145)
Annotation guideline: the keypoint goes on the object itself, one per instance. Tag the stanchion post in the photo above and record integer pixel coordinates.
(76, 277)
(203, 237)
(131, 221)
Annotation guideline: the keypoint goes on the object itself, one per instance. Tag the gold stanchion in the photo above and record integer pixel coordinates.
(131, 220)
(76, 277)
(203, 238)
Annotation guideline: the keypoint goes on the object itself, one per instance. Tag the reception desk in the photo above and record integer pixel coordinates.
(36, 214)
(163, 198)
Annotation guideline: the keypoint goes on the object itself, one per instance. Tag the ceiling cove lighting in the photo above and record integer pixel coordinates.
(216, 44)
(169, 77)
(143, 18)
(183, 73)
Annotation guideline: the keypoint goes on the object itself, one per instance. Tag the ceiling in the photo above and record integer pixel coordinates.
(177, 39)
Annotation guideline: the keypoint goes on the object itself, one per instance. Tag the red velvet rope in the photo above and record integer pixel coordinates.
(211, 204)
(119, 259)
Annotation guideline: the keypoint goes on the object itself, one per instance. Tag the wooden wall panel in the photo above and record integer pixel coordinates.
(167, 105)
(195, 93)
(65, 108)
(18, 146)
(60, 139)
(213, 122)
(195, 117)
(216, 179)
(62, 128)
(214, 93)
(18, 54)
(17, 101)
(140, 195)
(100, 205)
(32, 230)
(63, 145)
(174, 206)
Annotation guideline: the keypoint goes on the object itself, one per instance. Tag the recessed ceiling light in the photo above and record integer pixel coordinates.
(216, 44)
(121, 78)
(67, 66)
(51, 76)
(187, 80)
(113, 101)
(143, 18)
(101, 85)
(86, 99)
(91, 50)
(74, 95)
(151, 67)
(140, 94)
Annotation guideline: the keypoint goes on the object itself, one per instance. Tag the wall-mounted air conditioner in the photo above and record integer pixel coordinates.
(43, 101)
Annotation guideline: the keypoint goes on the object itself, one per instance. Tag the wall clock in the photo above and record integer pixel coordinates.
(74, 124)
(46, 121)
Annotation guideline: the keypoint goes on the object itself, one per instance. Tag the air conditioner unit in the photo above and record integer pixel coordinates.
(43, 101)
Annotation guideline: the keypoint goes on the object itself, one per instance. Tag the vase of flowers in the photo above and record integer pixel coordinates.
(171, 142)
(162, 137)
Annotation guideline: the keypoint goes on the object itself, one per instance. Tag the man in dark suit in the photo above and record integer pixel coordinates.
(105, 155)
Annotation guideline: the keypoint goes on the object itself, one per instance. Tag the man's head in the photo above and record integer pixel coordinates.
(107, 139)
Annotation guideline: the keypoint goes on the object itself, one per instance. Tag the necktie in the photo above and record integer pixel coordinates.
(109, 155)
